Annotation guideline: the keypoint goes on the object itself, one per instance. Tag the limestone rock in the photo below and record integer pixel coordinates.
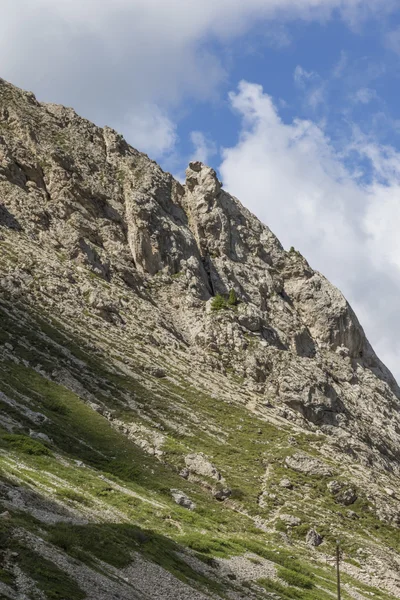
(286, 483)
(184, 473)
(128, 232)
(181, 499)
(108, 276)
(346, 497)
(38, 435)
(342, 495)
(334, 487)
(290, 520)
(222, 495)
(200, 465)
(313, 538)
(303, 463)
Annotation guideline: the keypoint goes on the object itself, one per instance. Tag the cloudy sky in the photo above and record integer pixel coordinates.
(294, 102)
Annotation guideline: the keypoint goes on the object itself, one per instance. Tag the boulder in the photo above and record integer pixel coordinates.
(181, 499)
(313, 538)
(42, 437)
(347, 497)
(184, 473)
(200, 465)
(158, 372)
(222, 495)
(303, 463)
(334, 487)
(286, 483)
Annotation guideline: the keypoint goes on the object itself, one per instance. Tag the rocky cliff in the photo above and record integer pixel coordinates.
(187, 409)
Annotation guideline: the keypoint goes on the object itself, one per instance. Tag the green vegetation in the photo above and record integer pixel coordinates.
(295, 252)
(68, 494)
(220, 302)
(6, 577)
(232, 298)
(24, 444)
(138, 486)
(294, 578)
(293, 593)
(54, 582)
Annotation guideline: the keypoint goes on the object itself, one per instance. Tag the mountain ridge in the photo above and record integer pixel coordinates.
(109, 279)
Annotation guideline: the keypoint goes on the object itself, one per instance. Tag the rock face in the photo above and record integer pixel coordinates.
(83, 193)
(178, 320)
(181, 499)
(308, 465)
(222, 495)
(313, 538)
(198, 464)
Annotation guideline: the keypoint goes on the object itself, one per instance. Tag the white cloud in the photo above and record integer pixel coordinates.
(291, 176)
(108, 58)
(302, 77)
(150, 130)
(364, 95)
(204, 148)
(312, 85)
(393, 40)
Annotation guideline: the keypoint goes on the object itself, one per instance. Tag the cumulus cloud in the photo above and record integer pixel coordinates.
(292, 177)
(150, 130)
(109, 58)
(204, 147)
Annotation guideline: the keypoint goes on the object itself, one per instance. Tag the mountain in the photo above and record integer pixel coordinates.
(188, 411)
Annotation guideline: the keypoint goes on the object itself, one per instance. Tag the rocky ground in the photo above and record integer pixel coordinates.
(187, 409)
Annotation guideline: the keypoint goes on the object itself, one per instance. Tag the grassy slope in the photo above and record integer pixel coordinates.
(132, 510)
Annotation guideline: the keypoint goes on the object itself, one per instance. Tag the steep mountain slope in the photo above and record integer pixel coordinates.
(187, 410)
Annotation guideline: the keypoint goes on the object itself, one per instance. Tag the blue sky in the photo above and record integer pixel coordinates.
(354, 74)
(294, 102)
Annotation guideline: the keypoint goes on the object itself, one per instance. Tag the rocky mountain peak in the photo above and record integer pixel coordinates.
(171, 316)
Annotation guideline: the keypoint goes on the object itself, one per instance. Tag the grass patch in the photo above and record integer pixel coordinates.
(294, 578)
(6, 577)
(68, 494)
(48, 577)
(25, 444)
(115, 544)
(219, 547)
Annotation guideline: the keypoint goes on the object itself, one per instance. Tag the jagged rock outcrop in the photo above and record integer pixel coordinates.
(198, 464)
(308, 465)
(85, 194)
(177, 320)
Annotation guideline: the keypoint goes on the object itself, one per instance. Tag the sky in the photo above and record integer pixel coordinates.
(293, 102)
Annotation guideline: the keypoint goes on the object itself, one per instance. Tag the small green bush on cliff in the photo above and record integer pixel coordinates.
(220, 302)
(232, 298)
